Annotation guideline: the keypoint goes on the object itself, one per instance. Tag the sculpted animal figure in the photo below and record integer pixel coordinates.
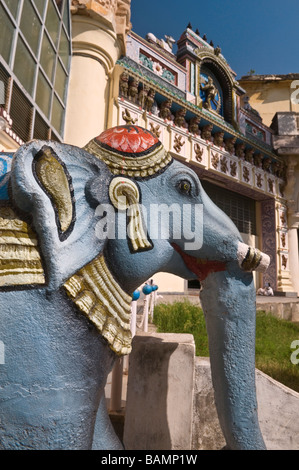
(76, 241)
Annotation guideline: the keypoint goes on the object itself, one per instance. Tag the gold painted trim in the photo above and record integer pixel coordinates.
(20, 261)
(98, 296)
(139, 167)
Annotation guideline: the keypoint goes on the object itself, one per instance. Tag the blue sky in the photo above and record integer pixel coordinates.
(258, 34)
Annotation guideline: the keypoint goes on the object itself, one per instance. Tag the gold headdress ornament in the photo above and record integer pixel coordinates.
(130, 152)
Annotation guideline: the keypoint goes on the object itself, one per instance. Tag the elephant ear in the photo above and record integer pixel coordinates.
(54, 178)
(49, 183)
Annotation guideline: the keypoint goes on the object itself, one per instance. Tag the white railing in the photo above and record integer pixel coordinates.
(121, 364)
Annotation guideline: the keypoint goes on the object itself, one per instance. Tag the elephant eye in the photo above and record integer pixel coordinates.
(184, 186)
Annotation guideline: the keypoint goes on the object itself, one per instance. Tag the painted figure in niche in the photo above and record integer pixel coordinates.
(211, 95)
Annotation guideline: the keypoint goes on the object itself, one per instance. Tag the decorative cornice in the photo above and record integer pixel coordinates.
(205, 54)
(166, 91)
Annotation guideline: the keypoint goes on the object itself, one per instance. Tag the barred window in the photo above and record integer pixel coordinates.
(35, 51)
(241, 209)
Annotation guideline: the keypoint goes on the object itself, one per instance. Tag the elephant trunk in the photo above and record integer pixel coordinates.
(228, 301)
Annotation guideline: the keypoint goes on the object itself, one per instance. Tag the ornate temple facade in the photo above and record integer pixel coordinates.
(192, 101)
(184, 91)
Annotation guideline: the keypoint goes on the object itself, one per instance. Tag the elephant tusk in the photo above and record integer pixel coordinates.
(252, 259)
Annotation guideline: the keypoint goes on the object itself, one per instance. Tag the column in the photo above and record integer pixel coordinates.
(99, 30)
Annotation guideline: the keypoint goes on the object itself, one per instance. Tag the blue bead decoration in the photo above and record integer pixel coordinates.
(136, 295)
(147, 289)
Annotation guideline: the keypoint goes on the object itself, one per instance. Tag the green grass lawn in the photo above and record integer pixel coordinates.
(273, 338)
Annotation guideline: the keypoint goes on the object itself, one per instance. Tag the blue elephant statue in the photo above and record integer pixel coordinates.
(81, 229)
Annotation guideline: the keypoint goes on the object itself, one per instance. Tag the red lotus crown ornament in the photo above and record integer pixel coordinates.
(128, 139)
(130, 150)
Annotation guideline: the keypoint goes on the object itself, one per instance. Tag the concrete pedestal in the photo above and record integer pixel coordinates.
(160, 392)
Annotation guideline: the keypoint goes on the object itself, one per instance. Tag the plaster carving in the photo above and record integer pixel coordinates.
(246, 174)
(218, 139)
(178, 143)
(179, 119)
(124, 84)
(206, 132)
(233, 168)
(259, 180)
(150, 99)
(240, 151)
(230, 145)
(198, 152)
(155, 129)
(284, 261)
(210, 92)
(215, 160)
(161, 43)
(193, 125)
(223, 165)
(165, 110)
(133, 89)
(126, 115)
(142, 95)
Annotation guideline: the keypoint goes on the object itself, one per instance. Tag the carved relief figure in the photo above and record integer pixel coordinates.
(126, 115)
(233, 168)
(271, 185)
(259, 180)
(215, 160)
(206, 132)
(193, 125)
(155, 129)
(284, 261)
(218, 139)
(258, 158)
(246, 174)
(210, 92)
(198, 152)
(133, 89)
(223, 165)
(165, 110)
(266, 164)
(179, 119)
(249, 155)
(124, 84)
(178, 143)
(149, 101)
(142, 95)
(283, 239)
(240, 151)
(229, 145)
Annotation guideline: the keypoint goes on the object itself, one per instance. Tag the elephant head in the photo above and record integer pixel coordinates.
(102, 220)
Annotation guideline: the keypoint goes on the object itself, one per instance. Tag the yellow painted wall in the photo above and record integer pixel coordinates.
(271, 96)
